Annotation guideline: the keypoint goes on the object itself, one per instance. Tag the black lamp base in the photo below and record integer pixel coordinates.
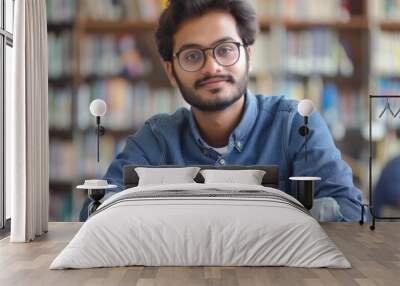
(305, 187)
(305, 193)
(95, 195)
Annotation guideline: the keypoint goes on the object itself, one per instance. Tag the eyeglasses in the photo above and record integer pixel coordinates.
(193, 59)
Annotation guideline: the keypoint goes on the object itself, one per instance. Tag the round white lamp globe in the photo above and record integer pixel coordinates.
(305, 107)
(98, 107)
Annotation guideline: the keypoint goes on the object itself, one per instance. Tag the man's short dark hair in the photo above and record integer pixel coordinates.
(179, 11)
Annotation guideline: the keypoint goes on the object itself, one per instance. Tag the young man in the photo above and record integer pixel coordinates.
(206, 48)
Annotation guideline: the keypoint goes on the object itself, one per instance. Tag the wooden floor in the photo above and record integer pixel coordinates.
(374, 255)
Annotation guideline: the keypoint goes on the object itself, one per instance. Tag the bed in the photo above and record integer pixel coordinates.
(201, 223)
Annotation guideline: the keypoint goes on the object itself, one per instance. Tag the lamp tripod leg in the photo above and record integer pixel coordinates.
(361, 221)
(372, 227)
(98, 143)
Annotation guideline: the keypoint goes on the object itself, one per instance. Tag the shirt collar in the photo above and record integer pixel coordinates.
(242, 131)
(240, 134)
(195, 130)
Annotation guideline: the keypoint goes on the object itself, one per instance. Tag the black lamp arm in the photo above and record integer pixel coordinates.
(304, 131)
(100, 131)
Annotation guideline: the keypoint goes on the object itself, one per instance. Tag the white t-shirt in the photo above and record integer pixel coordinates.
(222, 150)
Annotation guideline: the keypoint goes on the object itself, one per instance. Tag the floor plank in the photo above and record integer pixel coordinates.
(374, 255)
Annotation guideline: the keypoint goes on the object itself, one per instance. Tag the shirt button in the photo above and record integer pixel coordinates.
(222, 162)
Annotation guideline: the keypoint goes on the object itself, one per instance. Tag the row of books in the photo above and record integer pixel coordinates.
(73, 162)
(265, 8)
(61, 206)
(60, 107)
(384, 9)
(264, 54)
(346, 108)
(317, 51)
(66, 205)
(60, 54)
(386, 56)
(328, 10)
(61, 11)
(112, 10)
(110, 146)
(388, 86)
(299, 10)
(315, 10)
(63, 161)
(129, 105)
(342, 108)
(111, 55)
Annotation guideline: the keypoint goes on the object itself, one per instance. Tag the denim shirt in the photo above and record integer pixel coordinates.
(267, 134)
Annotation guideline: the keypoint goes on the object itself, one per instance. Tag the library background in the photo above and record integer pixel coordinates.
(334, 52)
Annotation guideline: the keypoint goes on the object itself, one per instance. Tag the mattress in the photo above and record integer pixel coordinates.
(201, 225)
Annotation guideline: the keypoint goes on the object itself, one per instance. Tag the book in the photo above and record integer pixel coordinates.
(386, 56)
(384, 10)
(61, 11)
(128, 104)
(60, 54)
(60, 108)
(111, 10)
(317, 51)
(314, 10)
(109, 55)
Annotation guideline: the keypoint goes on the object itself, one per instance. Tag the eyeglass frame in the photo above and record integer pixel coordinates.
(203, 50)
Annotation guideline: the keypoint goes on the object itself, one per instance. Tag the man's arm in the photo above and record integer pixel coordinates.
(323, 160)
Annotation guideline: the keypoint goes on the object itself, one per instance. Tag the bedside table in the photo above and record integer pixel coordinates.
(305, 190)
(96, 191)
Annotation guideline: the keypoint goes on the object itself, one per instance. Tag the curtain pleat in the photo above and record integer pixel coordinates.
(29, 159)
(15, 156)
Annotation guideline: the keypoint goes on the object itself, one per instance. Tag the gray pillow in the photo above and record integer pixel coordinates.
(248, 177)
(163, 176)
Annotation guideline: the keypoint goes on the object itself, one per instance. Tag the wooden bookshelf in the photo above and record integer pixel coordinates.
(390, 25)
(59, 26)
(355, 35)
(65, 134)
(115, 133)
(355, 23)
(92, 26)
(61, 186)
(265, 23)
(60, 81)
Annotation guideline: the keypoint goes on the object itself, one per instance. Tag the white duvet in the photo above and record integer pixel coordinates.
(185, 230)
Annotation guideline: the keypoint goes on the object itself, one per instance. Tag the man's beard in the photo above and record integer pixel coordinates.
(218, 104)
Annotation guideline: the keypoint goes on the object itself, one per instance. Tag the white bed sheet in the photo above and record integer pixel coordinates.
(205, 231)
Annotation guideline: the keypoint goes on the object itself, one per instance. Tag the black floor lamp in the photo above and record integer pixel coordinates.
(370, 205)
(305, 185)
(97, 188)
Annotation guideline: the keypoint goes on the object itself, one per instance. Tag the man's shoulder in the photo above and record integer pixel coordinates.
(272, 103)
(167, 121)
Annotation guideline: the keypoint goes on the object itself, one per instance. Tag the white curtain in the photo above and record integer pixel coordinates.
(27, 141)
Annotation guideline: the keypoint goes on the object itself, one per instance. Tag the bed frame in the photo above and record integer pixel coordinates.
(270, 179)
